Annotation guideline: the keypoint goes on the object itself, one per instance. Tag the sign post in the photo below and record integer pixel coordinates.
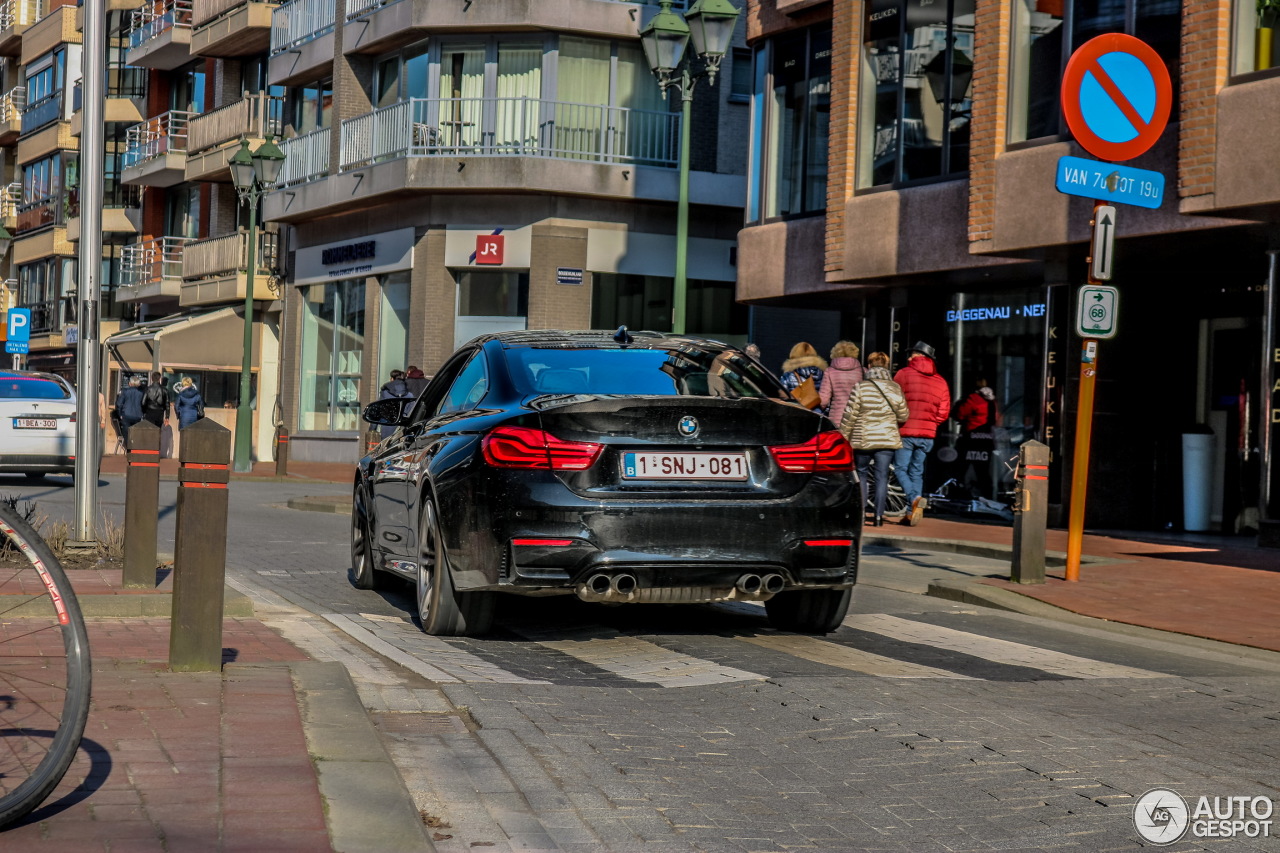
(1116, 96)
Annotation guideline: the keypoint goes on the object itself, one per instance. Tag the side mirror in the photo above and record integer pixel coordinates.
(389, 412)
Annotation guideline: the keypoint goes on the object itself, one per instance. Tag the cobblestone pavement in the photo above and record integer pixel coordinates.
(920, 725)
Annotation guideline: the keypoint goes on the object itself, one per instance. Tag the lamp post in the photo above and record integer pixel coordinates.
(709, 23)
(254, 175)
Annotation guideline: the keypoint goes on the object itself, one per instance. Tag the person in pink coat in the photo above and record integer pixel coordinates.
(837, 383)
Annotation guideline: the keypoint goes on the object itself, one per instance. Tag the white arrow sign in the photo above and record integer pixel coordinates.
(1104, 242)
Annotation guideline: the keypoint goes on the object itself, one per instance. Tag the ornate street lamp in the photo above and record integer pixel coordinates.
(254, 175)
(709, 25)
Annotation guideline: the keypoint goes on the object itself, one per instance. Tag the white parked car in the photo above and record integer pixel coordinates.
(37, 424)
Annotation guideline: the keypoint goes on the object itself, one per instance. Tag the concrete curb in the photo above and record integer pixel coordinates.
(985, 595)
(367, 806)
(989, 550)
(321, 503)
(143, 603)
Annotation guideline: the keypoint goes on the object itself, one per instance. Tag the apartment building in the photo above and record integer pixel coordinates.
(455, 169)
(902, 188)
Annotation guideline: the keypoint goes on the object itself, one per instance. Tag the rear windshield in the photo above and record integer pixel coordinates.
(639, 371)
(31, 388)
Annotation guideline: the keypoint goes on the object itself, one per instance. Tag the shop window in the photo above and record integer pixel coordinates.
(393, 325)
(490, 302)
(917, 80)
(645, 302)
(332, 355)
(1256, 47)
(220, 389)
(793, 123)
(1046, 32)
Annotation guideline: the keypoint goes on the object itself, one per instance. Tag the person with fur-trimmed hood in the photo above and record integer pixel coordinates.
(929, 400)
(804, 363)
(837, 383)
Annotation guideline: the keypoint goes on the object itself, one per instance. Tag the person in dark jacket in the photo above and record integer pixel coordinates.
(979, 415)
(188, 405)
(804, 363)
(416, 380)
(129, 407)
(929, 401)
(155, 401)
(395, 387)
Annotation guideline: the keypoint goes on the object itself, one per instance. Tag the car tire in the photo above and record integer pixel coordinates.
(808, 611)
(363, 574)
(442, 610)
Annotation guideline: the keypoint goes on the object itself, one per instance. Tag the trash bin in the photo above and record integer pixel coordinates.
(1197, 480)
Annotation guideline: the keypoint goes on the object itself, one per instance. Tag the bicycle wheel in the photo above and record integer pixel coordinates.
(45, 673)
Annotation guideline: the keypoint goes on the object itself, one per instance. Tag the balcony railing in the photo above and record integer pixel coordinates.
(12, 103)
(306, 158)
(157, 17)
(225, 255)
(123, 81)
(40, 212)
(163, 134)
(19, 12)
(300, 21)
(52, 315)
(10, 199)
(41, 113)
(117, 196)
(510, 127)
(256, 116)
(152, 261)
(356, 8)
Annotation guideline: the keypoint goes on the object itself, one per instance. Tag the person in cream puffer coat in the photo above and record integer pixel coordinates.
(870, 422)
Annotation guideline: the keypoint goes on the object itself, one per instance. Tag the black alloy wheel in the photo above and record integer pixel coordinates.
(808, 611)
(363, 574)
(442, 611)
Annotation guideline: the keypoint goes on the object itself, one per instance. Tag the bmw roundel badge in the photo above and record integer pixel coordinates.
(688, 426)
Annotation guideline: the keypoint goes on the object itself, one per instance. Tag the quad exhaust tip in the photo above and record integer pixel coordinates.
(599, 584)
(749, 584)
(773, 583)
(624, 584)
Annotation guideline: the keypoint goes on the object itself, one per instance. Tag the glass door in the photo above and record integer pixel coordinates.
(462, 92)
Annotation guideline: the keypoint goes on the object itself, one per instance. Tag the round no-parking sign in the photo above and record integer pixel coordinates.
(1116, 96)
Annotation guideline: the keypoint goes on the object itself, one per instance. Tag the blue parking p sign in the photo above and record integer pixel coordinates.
(18, 326)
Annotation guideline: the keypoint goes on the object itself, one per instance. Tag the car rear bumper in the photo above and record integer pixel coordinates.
(558, 541)
(16, 463)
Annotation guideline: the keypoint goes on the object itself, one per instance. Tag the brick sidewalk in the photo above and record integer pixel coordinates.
(1231, 594)
(326, 472)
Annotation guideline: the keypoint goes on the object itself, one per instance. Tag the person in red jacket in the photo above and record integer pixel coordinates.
(929, 402)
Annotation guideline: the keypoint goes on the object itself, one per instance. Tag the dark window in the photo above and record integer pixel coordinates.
(918, 59)
(645, 302)
(740, 76)
(1047, 32)
(638, 371)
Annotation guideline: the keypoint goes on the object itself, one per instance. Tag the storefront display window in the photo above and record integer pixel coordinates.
(1046, 32)
(393, 324)
(490, 302)
(996, 342)
(332, 355)
(1255, 46)
(645, 302)
(917, 82)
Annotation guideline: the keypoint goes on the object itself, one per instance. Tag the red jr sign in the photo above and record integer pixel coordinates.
(489, 248)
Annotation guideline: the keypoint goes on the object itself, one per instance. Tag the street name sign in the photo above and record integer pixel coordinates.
(1109, 182)
(1104, 242)
(1096, 317)
(1116, 96)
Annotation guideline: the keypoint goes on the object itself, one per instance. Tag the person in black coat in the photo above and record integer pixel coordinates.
(129, 407)
(155, 401)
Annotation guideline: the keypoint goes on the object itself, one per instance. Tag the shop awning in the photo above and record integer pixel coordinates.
(212, 340)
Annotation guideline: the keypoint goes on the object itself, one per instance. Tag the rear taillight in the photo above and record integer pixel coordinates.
(521, 447)
(826, 451)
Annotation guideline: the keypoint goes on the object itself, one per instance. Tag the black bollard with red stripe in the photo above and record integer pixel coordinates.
(282, 451)
(141, 506)
(200, 548)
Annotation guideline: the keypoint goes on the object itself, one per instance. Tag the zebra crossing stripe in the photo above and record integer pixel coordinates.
(638, 660)
(843, 657)
(988, 648)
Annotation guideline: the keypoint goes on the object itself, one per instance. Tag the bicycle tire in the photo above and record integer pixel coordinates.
(45, 671)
